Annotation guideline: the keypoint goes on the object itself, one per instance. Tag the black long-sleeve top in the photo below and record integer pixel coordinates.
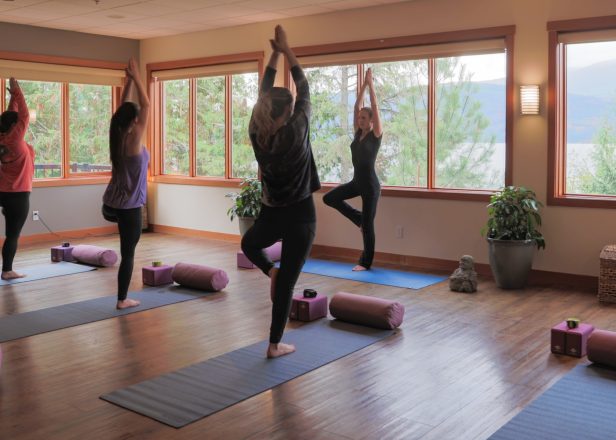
(287, 165)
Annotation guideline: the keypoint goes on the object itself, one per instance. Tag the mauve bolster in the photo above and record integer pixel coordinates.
(95, 255)
(601, 348)
(200, 277)
(366, 310)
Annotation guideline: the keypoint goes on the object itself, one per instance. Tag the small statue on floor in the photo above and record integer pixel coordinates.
(464, 278)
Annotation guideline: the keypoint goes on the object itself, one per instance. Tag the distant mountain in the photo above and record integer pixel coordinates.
(585, 111)
(595, 80)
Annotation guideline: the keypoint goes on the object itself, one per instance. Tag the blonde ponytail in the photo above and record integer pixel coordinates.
(262, 121)
(269, 107)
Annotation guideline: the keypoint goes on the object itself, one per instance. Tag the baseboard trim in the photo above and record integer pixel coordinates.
(68, 235)
(174, 230)
(536, 277)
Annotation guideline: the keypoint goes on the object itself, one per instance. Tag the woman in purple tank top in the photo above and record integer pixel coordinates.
(126, 192)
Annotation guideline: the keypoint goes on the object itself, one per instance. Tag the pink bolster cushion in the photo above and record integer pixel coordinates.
(98, 256)
(200, 277)
(366, 310)
(274, 251)
(601, 348)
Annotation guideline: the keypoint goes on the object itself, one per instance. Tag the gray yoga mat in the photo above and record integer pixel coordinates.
(191, 393)
(21, 325)
(580, 406)
(47, 270)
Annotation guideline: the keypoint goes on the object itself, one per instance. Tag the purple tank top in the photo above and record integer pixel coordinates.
(128, 186)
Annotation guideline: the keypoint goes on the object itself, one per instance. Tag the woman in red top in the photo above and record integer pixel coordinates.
(16, 172)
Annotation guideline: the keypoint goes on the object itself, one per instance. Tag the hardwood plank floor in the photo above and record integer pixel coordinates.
(461, 366)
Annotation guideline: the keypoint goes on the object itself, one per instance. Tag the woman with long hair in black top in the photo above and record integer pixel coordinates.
(365, 183)
(280, 137)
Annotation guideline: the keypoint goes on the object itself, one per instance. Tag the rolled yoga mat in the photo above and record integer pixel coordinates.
(366, 310)
(601, 348)
(96, 255)
(200, 277)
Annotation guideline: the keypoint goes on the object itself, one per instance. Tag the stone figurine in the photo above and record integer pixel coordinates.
(464, 278)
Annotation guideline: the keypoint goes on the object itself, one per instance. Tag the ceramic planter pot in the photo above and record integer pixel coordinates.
(511, 261)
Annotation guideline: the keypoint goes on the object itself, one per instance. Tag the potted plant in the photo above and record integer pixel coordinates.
(512, 235)
(246, 204)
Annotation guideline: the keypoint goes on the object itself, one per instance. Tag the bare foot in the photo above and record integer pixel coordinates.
(273, 273)
(359, 268)
(126, 304)
(280, 349)
(11, 275)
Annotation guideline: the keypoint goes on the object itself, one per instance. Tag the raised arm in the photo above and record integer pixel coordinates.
(134, 141)
(377, 127)
(18, 104)
(358, 105)
(280, 44)
(270, 72)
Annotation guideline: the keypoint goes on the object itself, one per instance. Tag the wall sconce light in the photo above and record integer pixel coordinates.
(529, 100)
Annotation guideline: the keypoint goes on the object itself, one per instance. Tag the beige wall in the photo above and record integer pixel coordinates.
(432, 228)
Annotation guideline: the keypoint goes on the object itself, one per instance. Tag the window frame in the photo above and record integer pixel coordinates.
(557, 107)
(67, 178)
(505, 32)
(155, 131)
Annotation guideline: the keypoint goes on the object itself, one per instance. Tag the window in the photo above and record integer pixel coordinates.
(70, 108)
(582, 137)
(201, 114)
(89, 109)
(444, 107)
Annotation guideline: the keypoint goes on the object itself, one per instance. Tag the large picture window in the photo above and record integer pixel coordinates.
(583, 115)
(446, 111)
(201, 113)
(70, 108)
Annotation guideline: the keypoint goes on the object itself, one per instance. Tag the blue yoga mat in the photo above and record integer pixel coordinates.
(376, 275)
(48, 270)
(191, 393)
(580, 406)
(21, 325)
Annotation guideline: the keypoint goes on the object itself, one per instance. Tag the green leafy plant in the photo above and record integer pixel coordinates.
(514, 215)
(246, 203)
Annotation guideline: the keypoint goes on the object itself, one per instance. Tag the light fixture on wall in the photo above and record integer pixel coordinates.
(529, 100)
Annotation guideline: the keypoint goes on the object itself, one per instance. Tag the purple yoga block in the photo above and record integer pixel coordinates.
(558, 339)
(308, 309)
(243, 261)
(577, 339)
(273, 252)
(60, 253)
(157, 276)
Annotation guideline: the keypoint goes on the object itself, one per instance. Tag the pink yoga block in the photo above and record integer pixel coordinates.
(273, 252)
(366, 310)
(157, 275)
(96, 255)
(602, 347)
(200, 277)
(577, 339)
(243, 261)
(308, 309)
(61, 253)
(558, 337)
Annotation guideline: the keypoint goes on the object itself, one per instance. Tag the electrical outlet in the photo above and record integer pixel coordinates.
(35, 216)
(399, 232)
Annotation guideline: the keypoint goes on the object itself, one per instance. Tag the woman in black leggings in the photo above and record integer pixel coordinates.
(279, 133)
(126, 192)
(16, 173)
(365, 183)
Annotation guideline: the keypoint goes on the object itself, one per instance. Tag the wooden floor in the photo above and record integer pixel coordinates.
(461, 366)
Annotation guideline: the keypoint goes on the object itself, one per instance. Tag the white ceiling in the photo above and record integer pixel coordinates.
(139, 19)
